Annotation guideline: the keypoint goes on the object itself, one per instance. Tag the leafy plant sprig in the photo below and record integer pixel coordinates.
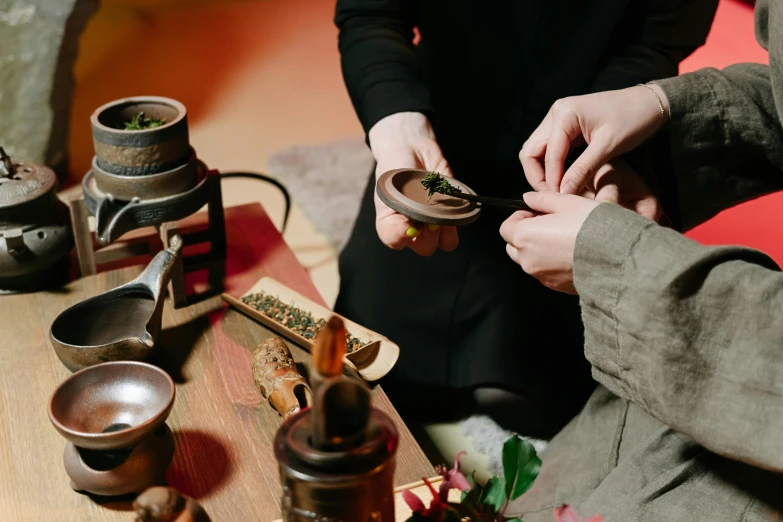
(434, 182)
(489, 502)
(141, 122)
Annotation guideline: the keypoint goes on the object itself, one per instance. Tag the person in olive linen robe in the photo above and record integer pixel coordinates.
(686, 340)
(461, 102)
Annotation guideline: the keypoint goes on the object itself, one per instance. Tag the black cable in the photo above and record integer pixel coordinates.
(272, 181)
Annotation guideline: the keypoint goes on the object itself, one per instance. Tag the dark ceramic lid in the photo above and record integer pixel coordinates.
(23, 182)
(402, 191)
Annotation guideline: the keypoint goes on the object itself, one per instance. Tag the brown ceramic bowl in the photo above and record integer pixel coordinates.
(112, 405)
(402, 191)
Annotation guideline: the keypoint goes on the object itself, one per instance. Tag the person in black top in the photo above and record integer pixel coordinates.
(460, 98)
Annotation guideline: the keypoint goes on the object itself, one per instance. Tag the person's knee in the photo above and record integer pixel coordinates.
(519, 413)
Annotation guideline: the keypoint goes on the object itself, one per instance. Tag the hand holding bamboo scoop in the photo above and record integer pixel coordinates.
(341, 404)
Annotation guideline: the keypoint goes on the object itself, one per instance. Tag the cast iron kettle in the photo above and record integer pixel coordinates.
(35, 234)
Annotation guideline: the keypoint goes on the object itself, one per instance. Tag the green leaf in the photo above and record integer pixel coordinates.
(450, 514)
(473, 488)
(473, 497)
(466, 511)
(494, 494)
(515, 519)
(521, 466)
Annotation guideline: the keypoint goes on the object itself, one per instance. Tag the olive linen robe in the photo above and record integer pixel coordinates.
(685, 340)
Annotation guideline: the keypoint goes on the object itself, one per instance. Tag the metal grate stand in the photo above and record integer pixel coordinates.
(92, 256)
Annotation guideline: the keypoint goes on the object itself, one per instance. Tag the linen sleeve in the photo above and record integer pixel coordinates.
(692, 334)
(724, 142)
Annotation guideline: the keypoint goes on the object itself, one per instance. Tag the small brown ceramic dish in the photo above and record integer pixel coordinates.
(402, 191)
(112, 405)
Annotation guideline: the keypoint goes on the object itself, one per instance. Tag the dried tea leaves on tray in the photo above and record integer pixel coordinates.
(295, 319)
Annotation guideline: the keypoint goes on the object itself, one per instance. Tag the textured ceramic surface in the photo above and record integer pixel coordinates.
(112, 405)
(140, 152)
(120, 472)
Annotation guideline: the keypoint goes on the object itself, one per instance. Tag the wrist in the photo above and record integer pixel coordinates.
(662, 97)
(399, 130)
(664, 110)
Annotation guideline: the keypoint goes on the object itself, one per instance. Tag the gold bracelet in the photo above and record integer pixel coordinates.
(664, 116)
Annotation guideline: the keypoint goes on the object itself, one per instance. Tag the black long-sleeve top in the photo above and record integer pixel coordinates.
(486, 71)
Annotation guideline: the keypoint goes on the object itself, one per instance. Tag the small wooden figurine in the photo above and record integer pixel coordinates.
(276, 376)
(162, 504)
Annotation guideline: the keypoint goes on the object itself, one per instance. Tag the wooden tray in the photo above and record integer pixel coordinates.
(372, 361)
(401, 510)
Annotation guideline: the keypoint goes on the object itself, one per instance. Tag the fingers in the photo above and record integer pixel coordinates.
(649, 207)
(553, 202)
(432, 158)
(565, 130)
(584, 168)
(395, 230)
(448, 239)
(513, 253)
(426, 241)
(398, 232)
(511, 226)
(556, 152)
(433, 237)
(533, 154)
(609, 194)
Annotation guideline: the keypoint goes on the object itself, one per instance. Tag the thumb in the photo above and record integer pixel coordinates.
(552, 202)
(584, 168)
(433, 160)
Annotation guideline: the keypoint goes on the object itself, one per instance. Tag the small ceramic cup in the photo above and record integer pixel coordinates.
(113, 417)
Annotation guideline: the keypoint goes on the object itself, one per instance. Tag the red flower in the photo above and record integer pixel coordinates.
(566, 514)
(452, 479)
(414, 502)
(417, 506)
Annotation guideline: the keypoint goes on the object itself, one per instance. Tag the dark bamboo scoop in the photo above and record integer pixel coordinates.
(515, 204)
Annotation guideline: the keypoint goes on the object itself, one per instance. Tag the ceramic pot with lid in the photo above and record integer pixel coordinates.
(35, 233)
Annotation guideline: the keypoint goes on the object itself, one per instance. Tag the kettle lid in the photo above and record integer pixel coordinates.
(23, 182)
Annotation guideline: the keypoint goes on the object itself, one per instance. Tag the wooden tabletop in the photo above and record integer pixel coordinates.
(222, 426)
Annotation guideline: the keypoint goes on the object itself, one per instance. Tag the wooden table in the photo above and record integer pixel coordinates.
(223, 427)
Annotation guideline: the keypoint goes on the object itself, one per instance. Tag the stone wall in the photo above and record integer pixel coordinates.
(39, 42)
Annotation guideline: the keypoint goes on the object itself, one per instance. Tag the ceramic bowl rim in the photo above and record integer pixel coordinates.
(182, 113)
(124, 290)
(70, 434)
